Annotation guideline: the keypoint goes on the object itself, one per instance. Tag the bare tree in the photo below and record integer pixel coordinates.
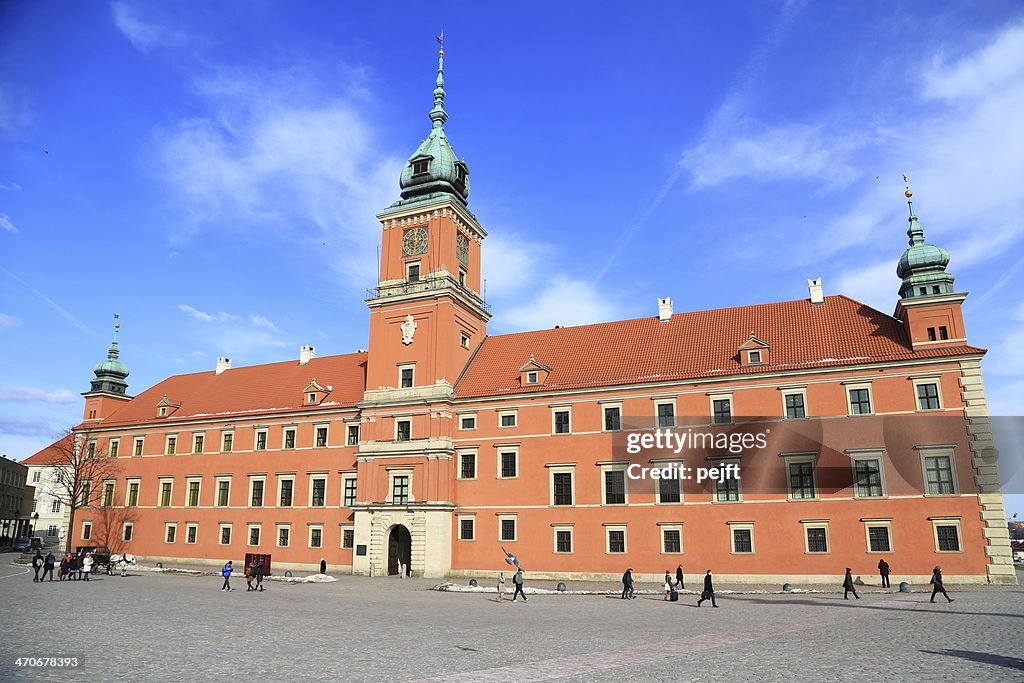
(81, 464)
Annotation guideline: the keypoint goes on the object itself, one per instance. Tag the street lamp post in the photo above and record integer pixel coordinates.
(35, 525)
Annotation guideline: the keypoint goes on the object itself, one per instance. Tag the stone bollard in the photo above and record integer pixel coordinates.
(288, 574)
(787, 587)
(560, 587)
(472, 583)
(905, 587)
(159, 565)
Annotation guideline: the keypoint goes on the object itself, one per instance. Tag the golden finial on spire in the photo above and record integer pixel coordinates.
(440, 42)
(906, 181)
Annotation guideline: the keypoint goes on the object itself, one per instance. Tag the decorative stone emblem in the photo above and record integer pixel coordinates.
(408, 329)
(462, 247)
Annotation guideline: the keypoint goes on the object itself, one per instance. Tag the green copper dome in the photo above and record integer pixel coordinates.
(111, 373)
(923, 266)
(111, 366)
(435, 169)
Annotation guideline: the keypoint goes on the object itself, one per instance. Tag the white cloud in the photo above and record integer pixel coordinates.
(26, 426)
(10, 187)
(144, 35)
(875, 285)
(14, 111)
(205, 317)
(8, 321)
(562, 301)
(22, 394)
(994, 66)
(260, 321)
(511, 262)
(6, 224)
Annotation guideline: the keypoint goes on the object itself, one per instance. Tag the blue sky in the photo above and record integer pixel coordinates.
(211, 171)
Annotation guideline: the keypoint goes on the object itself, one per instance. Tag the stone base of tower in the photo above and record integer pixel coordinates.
(380, 537)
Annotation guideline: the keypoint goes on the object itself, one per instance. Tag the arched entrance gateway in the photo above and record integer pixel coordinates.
(399, 551)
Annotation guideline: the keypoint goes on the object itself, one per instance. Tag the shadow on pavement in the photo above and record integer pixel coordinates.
(983, 657)
(852, 604)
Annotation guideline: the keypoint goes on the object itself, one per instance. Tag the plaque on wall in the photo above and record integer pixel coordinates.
(361, 550)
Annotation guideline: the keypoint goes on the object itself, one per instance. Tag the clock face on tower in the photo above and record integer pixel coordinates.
(414, 241)
(462, 247)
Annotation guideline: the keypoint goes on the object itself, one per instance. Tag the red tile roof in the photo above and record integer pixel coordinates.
(55, 453)
(801, 335)
(274, 387)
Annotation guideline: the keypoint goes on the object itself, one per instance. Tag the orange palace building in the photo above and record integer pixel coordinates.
(440, 445)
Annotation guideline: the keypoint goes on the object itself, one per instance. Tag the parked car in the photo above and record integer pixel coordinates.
(1018, 556)
(26, 544)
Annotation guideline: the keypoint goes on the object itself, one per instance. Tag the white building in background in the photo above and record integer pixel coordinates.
(53, 519)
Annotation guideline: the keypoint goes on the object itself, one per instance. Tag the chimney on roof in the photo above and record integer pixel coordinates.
(814, 286)
(306, 354)
(664, 309)
(223, 364)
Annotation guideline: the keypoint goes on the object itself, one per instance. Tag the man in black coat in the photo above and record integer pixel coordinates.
(883, 571)
(48, 565)
(259, 571)
(848, 586)
(679, 578)
(937, 586)
(37, 564)
(323, 566)
(709, 591)
(627, 585)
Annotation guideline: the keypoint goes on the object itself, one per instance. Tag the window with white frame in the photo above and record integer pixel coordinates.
(467, 527)
(615, 539)
(166, 489)
(727, 490)
(318, 490)
(288, 438)
(113, 448)
(254, 534)
(316, 536)
(403, 429)
(563, 538)
(192, 492)
(191, 533)
(352, 437)
(926, 390)
(939, 476)
(867, 475)
(406, 375)
(742, 534)
(348, 538)
(260, 440)
(721, 409)
(284, 535)
(815, 536)
(257, 486)
(55, 506)
(400, 487)
(665, 411)
(320, 433)
(508, 462)
(947, 534)
(227, 442)
(560, 420)
(132, 494)
(800, 476)
(613, 484)
(563, 490)
(138, 445)
(225, 534)
(794, 403)
(669, 489)
(507, 528)
(878, 535)
(170, 532)
(108, 494)
(859, 398)
(612, 417)
(467, 422)
(507, 418)
(467, 465)
(285, 491)
(198, 441)
(172, 444)
(671, 539)
(412, 271)
(223, 492)
(127, 531)
(86, 531)
(348, 492)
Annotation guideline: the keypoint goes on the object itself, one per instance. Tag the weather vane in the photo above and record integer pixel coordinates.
(117, 321)
(440, 42)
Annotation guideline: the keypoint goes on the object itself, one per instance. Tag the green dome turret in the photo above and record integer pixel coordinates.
(111, 373)
(434, 169)
(922, 267)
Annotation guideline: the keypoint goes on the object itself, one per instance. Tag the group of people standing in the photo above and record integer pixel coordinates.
(72, 567)
(253, 573)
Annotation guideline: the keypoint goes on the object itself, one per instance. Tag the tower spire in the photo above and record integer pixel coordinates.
(922, 266)
(438, 115)
(915, 232)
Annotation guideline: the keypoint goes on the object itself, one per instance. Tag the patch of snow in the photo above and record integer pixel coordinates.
(313, 578)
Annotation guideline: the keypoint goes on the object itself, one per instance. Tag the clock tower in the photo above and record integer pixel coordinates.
(427, 317)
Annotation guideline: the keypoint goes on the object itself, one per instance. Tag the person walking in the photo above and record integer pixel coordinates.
(48, 564)
(323, 566)
(248, 578)
(937, 586)
(501, 586)
(627, 584)
(883, 571)
(259, 571)
(87, 563)
(62, 574)
(668, 585)
(517, 580)
(226, 573)
(709, 591)
(848, 586)
(679, 578)
(37, 564)
(73, 565)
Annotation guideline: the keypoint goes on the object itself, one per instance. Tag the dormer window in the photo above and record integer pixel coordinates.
(311, 397)
(166, 406)
(754, 357)
(461, 172)
(420, 167)
(533, 372)
(531, 378)
(163, 411)
(754, 351)
(315, 394)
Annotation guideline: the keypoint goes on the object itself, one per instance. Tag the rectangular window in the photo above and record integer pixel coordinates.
(254, 535)
(283, 536)
(261, 441)
(721, 409)
(878, 539)
(464, 340)
(466, 528)
(52, 531)
(223, 493)
(35, 477)
(939, 475)
(55, 506)
(614, 487)
(868, 476)
(467, 468)
(129, 528)
(947, 538)
(801, 480)
(669, 490)
(289, 438)
(352, 438)
(412, 272)
(90, 452)
(561, 421)
(671, 541)
(86, 531)
(225, 535)
(193, 493)
(227, 442)
(860, 402)
(817, 539)
(562, 483)
(138, 446)
(931, 334)
(507, 419)
(257, 493)
(563, 540)
(403, 430)
(754, 357)
(197, 443)
(400, 489)
(316, 537)
(943, 333)
(165, 493)
(405, 377)
(612, 418)
(928, 396)
(321, 437)
(319, 492)
(172, 445)
(133, 494)
(727, 490)
(85, 499)
(507, 528)
(348, 538)
(170, 532)
(114, 445)
(191, 533)
(666, 414)
(349, 498)
(795, 406)
(467, 422)
(509, 464)
(616, 540)
(742, 541)
(286, 493)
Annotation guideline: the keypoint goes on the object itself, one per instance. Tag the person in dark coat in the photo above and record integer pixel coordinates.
(679, 578)
(73, 566)
(937, 586)
(709, 591)
(323, 566)
(627, 585)
(848, 586)
(64, 562)
(883, 571)
(517, 581)
(48, 565)
(37, 564)
(259, 571)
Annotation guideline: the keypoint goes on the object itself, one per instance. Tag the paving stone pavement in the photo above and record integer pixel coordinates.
(160, 627)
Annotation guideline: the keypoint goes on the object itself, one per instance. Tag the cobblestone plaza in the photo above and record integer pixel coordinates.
(152, 627)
